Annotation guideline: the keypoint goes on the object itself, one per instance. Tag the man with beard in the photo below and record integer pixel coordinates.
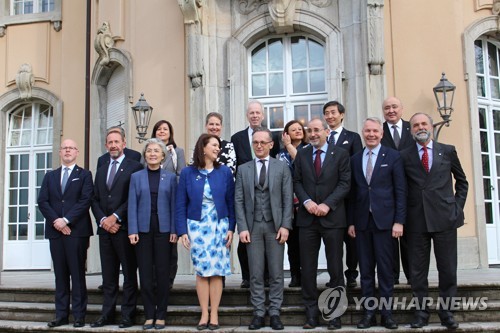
(434, 212)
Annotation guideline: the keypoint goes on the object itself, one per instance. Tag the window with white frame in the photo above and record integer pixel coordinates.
(21, 7)
(287, 74)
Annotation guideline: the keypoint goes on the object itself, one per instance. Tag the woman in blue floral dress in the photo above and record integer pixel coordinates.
(205, 222)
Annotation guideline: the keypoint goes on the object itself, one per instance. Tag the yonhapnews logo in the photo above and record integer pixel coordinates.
(332, 303)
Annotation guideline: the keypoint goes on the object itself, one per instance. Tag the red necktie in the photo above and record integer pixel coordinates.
(317, 162)
(425, 159)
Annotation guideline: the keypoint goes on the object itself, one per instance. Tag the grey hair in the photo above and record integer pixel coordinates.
(375, 120)
(255, 101)
(423, 114)
(159, 143)
(116, 129)
(323, 122)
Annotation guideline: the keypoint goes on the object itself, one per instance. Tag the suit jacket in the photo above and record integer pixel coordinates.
(129, 153)
(406, 138)
(181, 162)
(280, 191)
(350, 141)
(386, 194)
(106, 202)
(432, 204)
(190, 196)
(243, 148)
(73, 204)
(330, 188)
(139, 202)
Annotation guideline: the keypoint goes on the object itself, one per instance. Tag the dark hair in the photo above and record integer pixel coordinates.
(290, 123)
(198, 155)
(213, 114)
(170, 129)
(339, 106)
(265, 130)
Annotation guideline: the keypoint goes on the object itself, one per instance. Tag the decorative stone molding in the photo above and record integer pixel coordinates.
(189, 9)
(103, 42)
(2, 31)
(57, 25)
(25, 81)
(193, 20)
(375, 36)
(282, 13)
(245, 7)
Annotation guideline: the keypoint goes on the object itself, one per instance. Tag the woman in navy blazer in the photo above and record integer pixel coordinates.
(205, 222)
(151, 228)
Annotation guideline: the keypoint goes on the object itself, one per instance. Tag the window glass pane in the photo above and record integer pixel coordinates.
(23, 214)
(301, 113)
(24, 162)
(299, 82)
(43, 117)
(481, 91)
(39, 177)
(23, 197)
(497, 142)
(317, 80)
(496, 120)
(27, 118)
(13, 214)
(259, 58)
(316, 54)
(494, 89)
(12, 197)
(13, 232)
(39, 231)
(40, 161)
(478, 47)
(492, 59)
(14, 162)
(498, 165)
(13, 180)
(23, 232)
(482, 118)
(486, 165)
(41, 137)
(275, 54)
(17, 120)
(487, 211)
(46, 5)
(23, 179)
(487, 188)
(39, 216)
(276, 84)
(49, 160)
(276, 117)
(484, 142)
(317, 111)
(299, 55)
(259, 85)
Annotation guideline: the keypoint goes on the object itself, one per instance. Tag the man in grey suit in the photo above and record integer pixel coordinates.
(264, 207)
(434, 212)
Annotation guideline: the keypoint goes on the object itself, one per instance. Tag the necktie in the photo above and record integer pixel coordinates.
(262, 175)
(425, 159)
(317, 162)
(332, 137)
(396, 136)
(369, 167)
(112, 174)
(64, 179)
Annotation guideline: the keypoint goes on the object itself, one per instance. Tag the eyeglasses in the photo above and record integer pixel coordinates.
(260, 143)
(68, 148)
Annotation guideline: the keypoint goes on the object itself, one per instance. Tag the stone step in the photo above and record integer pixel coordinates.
(234, 315)
(35, 326)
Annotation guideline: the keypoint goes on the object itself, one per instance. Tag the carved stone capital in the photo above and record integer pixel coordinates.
(57, 25)
(103, 42)
(495, 9)
(189, 9)
(282, 13)
(25, 81)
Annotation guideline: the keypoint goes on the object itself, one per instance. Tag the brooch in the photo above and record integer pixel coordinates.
(198, 177)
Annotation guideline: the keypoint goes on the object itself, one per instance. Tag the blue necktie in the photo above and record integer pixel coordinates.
(64, 179)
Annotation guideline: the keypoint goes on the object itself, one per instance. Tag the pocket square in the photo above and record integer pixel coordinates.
(75, 179)
(384, 165)
(345, 142)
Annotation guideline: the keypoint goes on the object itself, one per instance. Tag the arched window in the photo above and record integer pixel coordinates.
(487, 52)
(28, 158)
(287, 74)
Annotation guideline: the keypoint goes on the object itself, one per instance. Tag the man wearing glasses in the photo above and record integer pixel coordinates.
(64, 200)
(322, 179)
(264, 206)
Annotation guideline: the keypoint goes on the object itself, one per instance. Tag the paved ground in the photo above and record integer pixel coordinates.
(45, 279)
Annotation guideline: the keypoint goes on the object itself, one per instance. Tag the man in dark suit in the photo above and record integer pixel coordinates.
(377, 214)
(322, 178)
(397, 136)
(435, 211)
(334, 112)
(244, 153)
(109, 206)
(64, 202)
(264, 206)
(130, 153)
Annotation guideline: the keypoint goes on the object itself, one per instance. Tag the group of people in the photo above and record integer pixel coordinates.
(392, 197)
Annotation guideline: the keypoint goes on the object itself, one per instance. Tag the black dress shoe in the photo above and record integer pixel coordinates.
(368, 321)
(102, 321)
(449, 323)
(79, 322)
(202, 326)
(160, 324)
(335, 324)
(389, 323)
(58, 322)
(351, 283)
(276, 323)
(310, 324)
(213, 327)
(294, 282)
(245, 284)
(419, 322)
(257, 323)
(126, 322)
